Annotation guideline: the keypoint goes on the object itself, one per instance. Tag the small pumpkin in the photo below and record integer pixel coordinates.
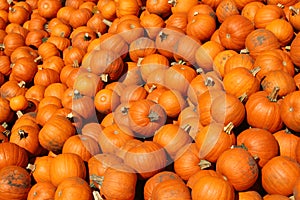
(15, 182)
(43, 190)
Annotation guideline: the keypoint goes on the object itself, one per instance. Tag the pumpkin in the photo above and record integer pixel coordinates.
(5, 65)
(130, 30)
(166, 40)
(178, 19)
(66, 165)
(110, 187)
(80, 17)
(281, 170)
(55, 132)
(153, 117)
(201, 20)
(149, 151)
(26, 137)
(106, 100)
(161, 7)
(121, 114)
(152, 23)
(171, 189)
(18, 103)
(260, 40)
(266, 105)
(152, 62)
(206, 53)
(293, 15)
(266, 14)
(173, 102)
(35, 38)
(96, 24)
(5, 110)
(13, 155)
(282, 29)
(200, 84)
(82, 145)
(153, 181)
(200, 9)
(132, 93)
(114, 137)
(54, 62)
(18, 14)
(250, 9)
(132, 75)
(204, 108)
(274, 59)
(73, 187)
(130, 7)
(239, 168)
(107, 64)
(125, 148)
(48, 9)
(221, 59)
(247, 195)
(225, 9)
(140, 48)
(40, 169)
(280, 79)
(275, 196)
(287, 142)
(185, 49)
(233, 32)
(221, 188)
(212, 140)
(227, 108)
(182, 73)
(64, 14)
(260, 143)
(15, 182)
(239, 60)
(42, 190)
(189, 163)
(241, 81)
(12, 88)
(24, 69)
(195, 177)
(173, 139)
(98, 164)
(294, 51)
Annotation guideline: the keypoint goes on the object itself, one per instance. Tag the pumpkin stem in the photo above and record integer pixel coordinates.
(274, 94)
(187, 128)
(97, 179)
(77, 94)
(199, 71)
(19, 114)
(162, 36)
(139, 61)
(124, 110)
(172, 2)
(244, 51)
(292, 197)
(2, 47)
(243, 97)
(4, 125)
(209, 81)
(242, 146)
(255, 71)
(153, 87)
(295, 11)
(21, 84)
(288, 48)
(280, 5)
(6, 133)
(104, 77)
(87, 37)
(22, 134)
(153, 116)
(228, 128)
(203, 164)
(37, 59)
(31, 167)
(97, 195)
(107, 22)
(70, 117)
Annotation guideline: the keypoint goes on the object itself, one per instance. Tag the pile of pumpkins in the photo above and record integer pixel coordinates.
(150, 99)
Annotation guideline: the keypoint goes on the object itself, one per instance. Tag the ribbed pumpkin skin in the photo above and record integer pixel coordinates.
(15, 183)
(279, 175)
(212, 187)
